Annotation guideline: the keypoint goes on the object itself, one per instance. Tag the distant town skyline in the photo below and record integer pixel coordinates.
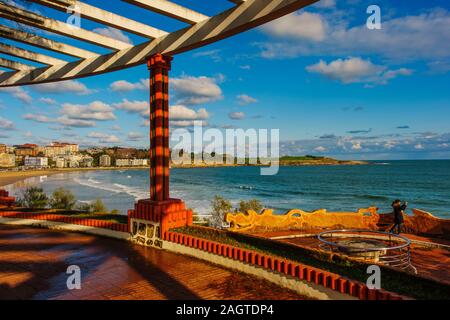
(332, 86)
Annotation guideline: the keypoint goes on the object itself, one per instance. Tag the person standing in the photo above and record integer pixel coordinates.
(398, 212)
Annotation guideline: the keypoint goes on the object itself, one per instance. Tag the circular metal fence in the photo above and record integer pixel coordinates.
(376, 246)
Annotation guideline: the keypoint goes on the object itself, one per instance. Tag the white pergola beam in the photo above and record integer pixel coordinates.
(105, 17)
(14, 65)
(29, 55)
(32, 19)
(170, 9)
(44, 43)
(247, 15)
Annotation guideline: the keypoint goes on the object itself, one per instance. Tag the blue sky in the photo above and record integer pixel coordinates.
(332, 86)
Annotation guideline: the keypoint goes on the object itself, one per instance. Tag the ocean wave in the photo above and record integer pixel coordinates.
(96, 185)
(136, 192)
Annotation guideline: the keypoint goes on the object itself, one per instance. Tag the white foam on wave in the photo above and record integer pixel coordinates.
(97, 185)
(136, 192)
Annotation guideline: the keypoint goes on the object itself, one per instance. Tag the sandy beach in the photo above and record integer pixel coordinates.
(9, 177)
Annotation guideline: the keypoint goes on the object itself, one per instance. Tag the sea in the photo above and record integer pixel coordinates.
(425, 184)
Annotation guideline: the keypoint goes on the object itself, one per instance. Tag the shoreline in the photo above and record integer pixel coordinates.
(10, 177)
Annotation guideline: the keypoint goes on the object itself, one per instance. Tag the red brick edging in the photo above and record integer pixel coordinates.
(66, 219)
(291, 268)
(5, 199)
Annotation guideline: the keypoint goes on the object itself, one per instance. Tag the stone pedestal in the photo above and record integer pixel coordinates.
(152, 218)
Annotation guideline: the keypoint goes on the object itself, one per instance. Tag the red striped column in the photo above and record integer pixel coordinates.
(159, 66)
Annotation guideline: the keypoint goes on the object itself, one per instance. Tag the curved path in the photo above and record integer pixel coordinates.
(33, 264)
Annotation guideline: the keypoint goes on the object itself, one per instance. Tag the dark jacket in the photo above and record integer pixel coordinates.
(398, 213)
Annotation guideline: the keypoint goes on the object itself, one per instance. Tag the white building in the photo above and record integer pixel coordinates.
(104, 161)
(131, 162)
(60, 162)
(36, 162)
(122, 162)
(139, 162)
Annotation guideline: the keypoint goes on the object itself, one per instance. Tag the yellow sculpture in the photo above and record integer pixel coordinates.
(365, 218)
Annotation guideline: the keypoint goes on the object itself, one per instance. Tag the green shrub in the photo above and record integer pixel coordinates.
(115, 211)
(253, 204)
(98, 206)
(34, 197)
(220, 207)
(85, 207)
(62, 199)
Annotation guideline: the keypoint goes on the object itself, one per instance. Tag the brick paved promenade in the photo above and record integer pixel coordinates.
(33, 263)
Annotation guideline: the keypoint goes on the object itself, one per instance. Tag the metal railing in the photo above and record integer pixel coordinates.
(381, 247)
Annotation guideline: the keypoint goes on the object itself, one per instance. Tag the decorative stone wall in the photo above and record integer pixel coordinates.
(366, 218)
(420, 223)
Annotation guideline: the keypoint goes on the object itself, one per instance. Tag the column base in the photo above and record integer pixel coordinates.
(150, 220)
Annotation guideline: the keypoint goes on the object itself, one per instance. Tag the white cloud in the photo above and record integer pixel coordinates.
(96, 110)
(244, 99)
(69, 86)
(133, 106)
(190, 90)
(298, 25)
(180, 112)
(236, 115)
(320, 149)
(37, 118)
(64, 120)
(6, 124)
(49, 101)
(356, 69)
(103, 137)
(135, 136)
(405, 38)
(113, 33)
(419, 146)
(356, 145)
(188, 123)
(18, 93)
(77, 123)
(125, 86)
(214, 54)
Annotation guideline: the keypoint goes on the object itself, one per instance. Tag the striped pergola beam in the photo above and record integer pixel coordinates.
(44, 43)
(34, 20)
(29, 55)
(170, 9)
(239, 18)
(14, 65)
(105, 17)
